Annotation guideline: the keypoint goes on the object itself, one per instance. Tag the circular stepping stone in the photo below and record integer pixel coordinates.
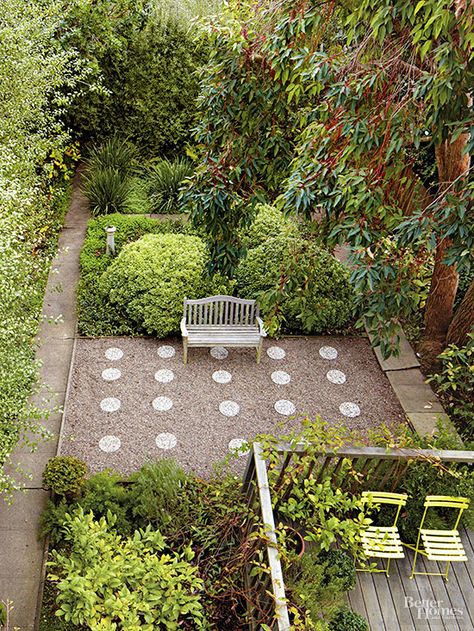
(110, 404)
(114, 353)
(109, 444)
(162, 404)
(222, 376)
(349, 409)
(285, 407)
(281, 377)
(336, 376)
(219, 352)
(275, 352)
(328, 352)
(229, 408)
(237, 443)
(164, 375)
(111, 374)
(166, 352)
(166, 441)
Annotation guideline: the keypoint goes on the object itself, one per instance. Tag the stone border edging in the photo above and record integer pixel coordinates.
(419, 402)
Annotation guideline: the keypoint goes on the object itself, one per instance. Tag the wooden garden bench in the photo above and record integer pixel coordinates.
(222, 321)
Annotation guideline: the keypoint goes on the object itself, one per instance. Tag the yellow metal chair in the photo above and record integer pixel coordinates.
(440, 545)
(383, 542)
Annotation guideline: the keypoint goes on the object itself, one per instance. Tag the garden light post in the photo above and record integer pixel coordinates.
(110, 246)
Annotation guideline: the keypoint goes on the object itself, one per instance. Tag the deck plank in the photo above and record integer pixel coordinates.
(369, 594)
(356, 600)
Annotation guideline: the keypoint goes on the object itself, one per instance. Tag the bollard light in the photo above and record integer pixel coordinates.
(110, 246)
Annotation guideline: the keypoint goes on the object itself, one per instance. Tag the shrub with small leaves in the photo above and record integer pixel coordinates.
(348, 620)
(65, 475)
(268, 223)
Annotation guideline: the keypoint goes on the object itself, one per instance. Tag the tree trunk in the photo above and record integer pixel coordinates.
(453, 163)
(463, 321)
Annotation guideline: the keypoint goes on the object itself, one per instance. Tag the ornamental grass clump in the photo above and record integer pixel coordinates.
(164, 184)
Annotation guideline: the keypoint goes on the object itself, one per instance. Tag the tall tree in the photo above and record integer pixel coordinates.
(362, 87)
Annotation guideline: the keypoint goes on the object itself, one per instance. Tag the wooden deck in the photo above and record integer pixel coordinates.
(385, 602)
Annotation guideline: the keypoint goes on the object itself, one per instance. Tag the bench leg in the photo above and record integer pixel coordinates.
(185, 350)
(259, 351)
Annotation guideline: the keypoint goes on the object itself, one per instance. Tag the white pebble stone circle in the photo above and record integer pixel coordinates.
(275, 352)
(336, 376)
(229, 408)
(166, 352)
(219, 352)
(166, 441)
(222, 376)
(162, 404)
(111, 374)
(109, 444)
(237, 443)
(164, 375)
(328, 352)
(281, 377)
(110, 404)
(114, 353)
(349, 409)
(285, 407)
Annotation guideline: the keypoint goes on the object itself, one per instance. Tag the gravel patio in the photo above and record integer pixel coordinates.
(132, 400)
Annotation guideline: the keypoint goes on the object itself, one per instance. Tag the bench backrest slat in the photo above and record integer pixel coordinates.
(220, 311)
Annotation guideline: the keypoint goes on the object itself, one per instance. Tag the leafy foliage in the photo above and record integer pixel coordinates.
(97, 316)
(298, 285)
(454, 382)
(106, 580)
(33, 169)
(138, 280)
(348, 620)
(164, 184)
(142, 64)
(64, 475)
(269, 222)
(107, 190)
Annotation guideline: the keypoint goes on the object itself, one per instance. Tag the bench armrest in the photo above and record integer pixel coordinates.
(263, 332)
(184, 330)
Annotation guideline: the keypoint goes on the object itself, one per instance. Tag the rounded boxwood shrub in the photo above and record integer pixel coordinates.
(150, 278)
(64, 475)
(269, 222)
(298, 285)
(339, 567)
(348, 620)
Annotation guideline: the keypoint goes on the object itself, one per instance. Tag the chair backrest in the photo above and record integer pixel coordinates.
(380, 497)
(220, 310)
(445, 501)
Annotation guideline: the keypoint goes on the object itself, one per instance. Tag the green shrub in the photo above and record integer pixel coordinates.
(454, 382)
(107, 190)
(138, 202)
(115, 153)
(150, 278)
(164, 182)
(52, 520)
(269, 222)
(145, 64)
(96, 315)
(339, 567)
(157, 495)
(348, 620)
(104, 492)
(64, 475)
(136, 582)
(297, 285)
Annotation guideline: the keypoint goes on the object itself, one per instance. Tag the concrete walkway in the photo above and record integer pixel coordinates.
(21, 553)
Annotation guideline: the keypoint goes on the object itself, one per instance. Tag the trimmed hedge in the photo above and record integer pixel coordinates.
(298, 285)
(96, 315)
(150, 278)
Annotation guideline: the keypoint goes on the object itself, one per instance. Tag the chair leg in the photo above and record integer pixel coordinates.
(387, 569)
(185, 351)
(448, 565)
(414, 563)
(259, 351)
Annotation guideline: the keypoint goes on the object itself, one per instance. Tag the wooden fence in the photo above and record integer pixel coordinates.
(384, 468)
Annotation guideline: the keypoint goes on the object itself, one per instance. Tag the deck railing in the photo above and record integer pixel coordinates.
(383, 467)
